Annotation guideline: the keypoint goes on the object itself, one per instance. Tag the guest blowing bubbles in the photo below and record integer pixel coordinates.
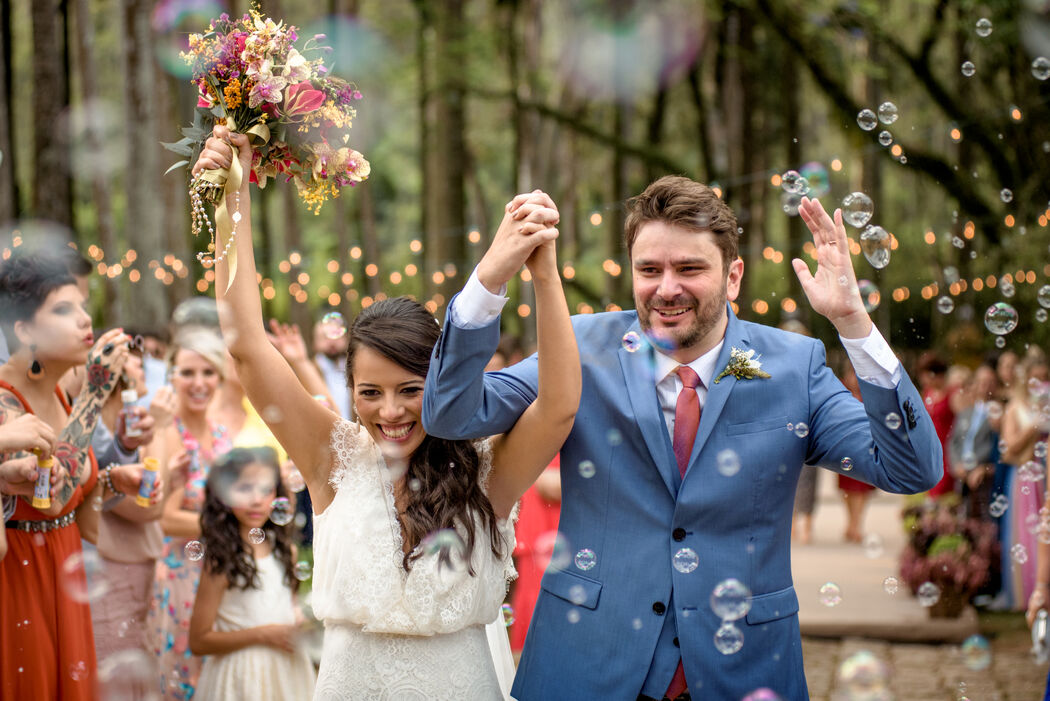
(44, 321)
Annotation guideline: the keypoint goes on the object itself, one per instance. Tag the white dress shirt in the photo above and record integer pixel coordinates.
(873, 359)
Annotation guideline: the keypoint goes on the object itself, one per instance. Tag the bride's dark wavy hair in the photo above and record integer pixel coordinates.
(403, 331)
(225, 552)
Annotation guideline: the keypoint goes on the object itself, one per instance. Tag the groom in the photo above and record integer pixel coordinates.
(681, 468)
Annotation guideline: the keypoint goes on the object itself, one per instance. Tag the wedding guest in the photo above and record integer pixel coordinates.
(42, 578)
(198, 363)
(1006, 368)
(330, 357)
(855, 494)
(1022, 427)
(972, 442)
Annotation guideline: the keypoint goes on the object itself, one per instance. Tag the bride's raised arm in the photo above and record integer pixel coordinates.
(521, 455)
(301, 424)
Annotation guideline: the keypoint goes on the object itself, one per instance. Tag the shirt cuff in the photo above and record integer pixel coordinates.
(475, 306)
(873, 359)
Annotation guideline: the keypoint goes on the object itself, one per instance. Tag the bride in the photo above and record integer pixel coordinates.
(413, 534)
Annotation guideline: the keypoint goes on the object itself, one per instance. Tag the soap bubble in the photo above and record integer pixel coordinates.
(614, 437)
(890, 585)
(1006, 194)
(893, 421)
(999, 505)
(763, 694)
(816, 176)
(255, 536)
(686, 560)
(984, 27)
(295, 481)
(333, 325)
(945, 304)
(864, 676)
(573, 616)
(283, 512)
(631, 341)
(968, 69)
(731, 600)
(507, 611)
(82, 577)
(801, 429)
(587, 469)
(302, 570)
(728, 462)
(552, 547)
(1000, 342)
(857, 208)
(846, 464)
(873, 546)
(928, 594)
(194, 550)
(789, 202)
(1041, 67)
(585, 559)
(728, 639)
(867, 120)
(1001, 318)
(128, 674)
(976, 653)
(885, 138)
(887, 113)
(1019, 553)
(1043, 296)
(869, 295)
(875, 244)
(1040, 315)
(830, 594)
(447, 546)
(792, 182)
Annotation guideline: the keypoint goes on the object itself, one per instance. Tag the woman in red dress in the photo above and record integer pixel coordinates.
(536, 536)
(932, 372)
(45, 623)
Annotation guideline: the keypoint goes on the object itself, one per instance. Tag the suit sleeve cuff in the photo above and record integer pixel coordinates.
(873, 359)
(475, 306)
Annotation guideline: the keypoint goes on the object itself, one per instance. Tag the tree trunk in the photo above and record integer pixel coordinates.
(142, 222)
(9, 206)
(796, 227)
(52, 185)
(871, 184)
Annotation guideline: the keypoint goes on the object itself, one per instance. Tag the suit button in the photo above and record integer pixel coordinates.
(659, 608)
(675, 641)
(678, 534)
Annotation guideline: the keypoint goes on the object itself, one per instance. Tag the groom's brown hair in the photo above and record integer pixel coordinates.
(682, 202)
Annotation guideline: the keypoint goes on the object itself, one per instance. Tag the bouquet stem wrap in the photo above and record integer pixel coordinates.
(230, 179)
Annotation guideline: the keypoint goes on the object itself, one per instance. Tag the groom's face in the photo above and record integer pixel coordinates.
(681, 287)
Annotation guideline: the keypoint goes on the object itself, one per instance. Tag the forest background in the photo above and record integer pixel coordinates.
(467, 102)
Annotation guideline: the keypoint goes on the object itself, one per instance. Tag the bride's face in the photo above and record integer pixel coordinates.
(389, 402)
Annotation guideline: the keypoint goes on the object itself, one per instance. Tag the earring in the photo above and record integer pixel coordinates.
(36, 370)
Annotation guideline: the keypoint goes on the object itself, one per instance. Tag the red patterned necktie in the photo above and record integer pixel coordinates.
(686, 424)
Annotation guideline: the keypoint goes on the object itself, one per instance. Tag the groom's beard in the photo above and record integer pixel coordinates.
(706, 316)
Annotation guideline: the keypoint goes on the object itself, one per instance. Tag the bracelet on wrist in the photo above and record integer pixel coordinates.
(107, 479)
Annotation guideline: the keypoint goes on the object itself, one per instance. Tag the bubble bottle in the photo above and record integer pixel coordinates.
(1039, 642)
(131, 428)
(149, 478)
(42, 491)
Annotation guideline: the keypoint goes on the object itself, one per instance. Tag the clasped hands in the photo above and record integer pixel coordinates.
(525, 237)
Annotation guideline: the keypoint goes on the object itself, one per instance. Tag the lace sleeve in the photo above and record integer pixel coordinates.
(349, 443)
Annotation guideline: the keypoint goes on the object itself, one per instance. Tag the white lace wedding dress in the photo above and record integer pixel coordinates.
(391, 634)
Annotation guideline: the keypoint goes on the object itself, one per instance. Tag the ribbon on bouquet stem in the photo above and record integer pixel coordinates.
(229, 179)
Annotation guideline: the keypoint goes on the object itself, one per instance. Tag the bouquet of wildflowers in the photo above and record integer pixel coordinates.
(250, 76)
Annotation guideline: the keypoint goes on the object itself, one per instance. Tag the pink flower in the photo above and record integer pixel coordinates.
(204, 101)
(302, 99)
(268, 90)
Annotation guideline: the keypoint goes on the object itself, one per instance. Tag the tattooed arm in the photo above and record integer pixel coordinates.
(105, 361)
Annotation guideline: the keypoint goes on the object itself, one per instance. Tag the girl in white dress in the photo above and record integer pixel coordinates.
(413, 534)
(245, 617)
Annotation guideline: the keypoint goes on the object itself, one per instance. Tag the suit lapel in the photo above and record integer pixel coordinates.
(718, 393)
(638, 375)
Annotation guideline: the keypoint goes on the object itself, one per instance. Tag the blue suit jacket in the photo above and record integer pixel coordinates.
(595, 633)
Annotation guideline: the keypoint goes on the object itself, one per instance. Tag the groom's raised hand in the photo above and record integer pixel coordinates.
(529, 220)
(832, 291)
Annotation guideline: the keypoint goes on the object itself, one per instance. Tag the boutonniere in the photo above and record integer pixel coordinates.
(743, 365)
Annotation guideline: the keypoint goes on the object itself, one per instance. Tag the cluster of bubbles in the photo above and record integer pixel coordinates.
(998, 505)
(801, 429)
(887, 114)
(128, 674)
(730, 601)
(507, 612)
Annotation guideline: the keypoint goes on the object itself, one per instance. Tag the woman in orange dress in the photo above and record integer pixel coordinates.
(45, 622)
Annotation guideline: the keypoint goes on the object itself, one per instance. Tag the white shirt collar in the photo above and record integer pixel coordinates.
(704, 366)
